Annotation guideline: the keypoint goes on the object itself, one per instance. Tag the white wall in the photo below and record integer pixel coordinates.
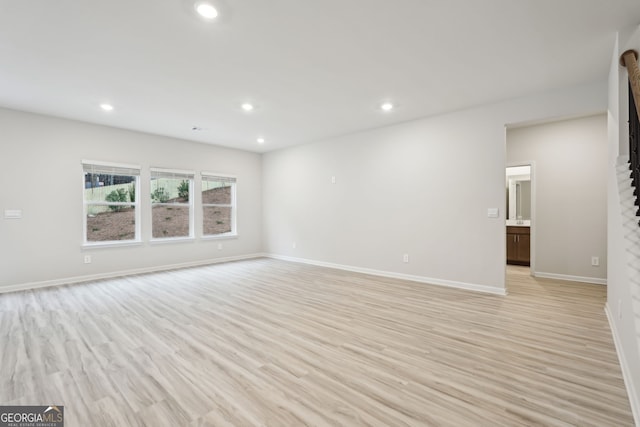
(421, 188)
(45, 245)
(570, 159)
(620, 294)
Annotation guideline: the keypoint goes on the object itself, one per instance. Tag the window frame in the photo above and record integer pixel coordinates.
(155, 172)
(211, 176)
(100, 167)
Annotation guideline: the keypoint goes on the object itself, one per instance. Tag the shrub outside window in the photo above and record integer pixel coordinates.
(111, 203)
(171, 204)
(218, 205)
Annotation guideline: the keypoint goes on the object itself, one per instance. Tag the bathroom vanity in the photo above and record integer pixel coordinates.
(518, 244)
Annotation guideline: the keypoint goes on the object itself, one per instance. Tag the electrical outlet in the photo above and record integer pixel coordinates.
(293, 245)
(219, 246)
(333, 179)
(595, 261)
(405, 258)
(87, 259)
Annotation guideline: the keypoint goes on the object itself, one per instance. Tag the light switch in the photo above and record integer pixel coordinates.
(12, 214)
(492, 212)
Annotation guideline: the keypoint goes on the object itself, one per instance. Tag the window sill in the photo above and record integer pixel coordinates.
(220, 236)
(172, 240)
(102, 245)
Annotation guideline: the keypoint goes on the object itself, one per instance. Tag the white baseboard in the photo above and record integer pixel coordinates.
(567, 277)
(634, 398)
(110, 275)
(394, 275)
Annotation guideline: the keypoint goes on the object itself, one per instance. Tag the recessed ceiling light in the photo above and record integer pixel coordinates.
(260, 140)
(387, 106)
(206, 10)
(106, 107)
(247, 107)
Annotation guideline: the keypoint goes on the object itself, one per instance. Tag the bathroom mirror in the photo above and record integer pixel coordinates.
(518, 188)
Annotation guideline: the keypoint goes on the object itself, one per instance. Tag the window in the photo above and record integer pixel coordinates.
(218, 205)
(111, 206)
(171, 204)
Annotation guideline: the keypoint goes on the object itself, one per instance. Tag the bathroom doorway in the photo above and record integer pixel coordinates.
(519, 212)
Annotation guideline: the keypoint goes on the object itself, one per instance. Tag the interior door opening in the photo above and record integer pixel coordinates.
(519, 212)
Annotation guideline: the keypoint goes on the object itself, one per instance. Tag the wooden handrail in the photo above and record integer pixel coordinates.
(629, 59)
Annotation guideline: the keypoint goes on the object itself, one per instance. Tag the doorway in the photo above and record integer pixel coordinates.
(520, 208)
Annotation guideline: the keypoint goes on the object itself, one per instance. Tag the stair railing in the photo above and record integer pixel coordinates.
(629, 59)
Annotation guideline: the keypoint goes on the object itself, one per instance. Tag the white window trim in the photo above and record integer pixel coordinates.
(226, 236)
(137, 212)
(204, 174)
(166, 240)
(111, 244)
(234, 207)
(111, 165)
(190, 173)
(183, 174)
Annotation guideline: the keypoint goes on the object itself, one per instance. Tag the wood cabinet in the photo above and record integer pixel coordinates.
(518, 245)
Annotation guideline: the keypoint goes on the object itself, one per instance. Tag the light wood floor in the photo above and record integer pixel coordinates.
(266, 342)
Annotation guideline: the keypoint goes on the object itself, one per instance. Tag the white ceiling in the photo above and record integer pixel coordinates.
(313, 69)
